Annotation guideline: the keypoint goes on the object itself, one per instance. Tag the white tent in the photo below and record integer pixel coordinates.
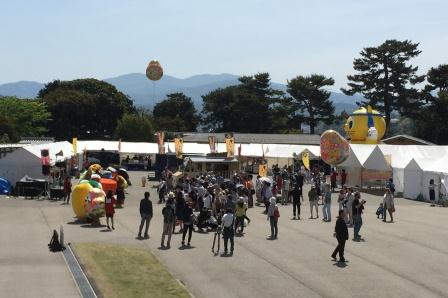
(27, 160)
(412, 180)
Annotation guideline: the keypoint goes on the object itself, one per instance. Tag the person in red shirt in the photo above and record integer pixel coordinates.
(110, 210)
(343, 178)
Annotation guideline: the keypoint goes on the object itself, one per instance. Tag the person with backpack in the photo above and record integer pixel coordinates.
(169, 219)
(273, 215)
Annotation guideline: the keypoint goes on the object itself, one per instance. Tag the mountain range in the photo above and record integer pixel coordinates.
(146, 93)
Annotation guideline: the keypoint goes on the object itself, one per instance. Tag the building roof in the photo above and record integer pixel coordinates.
(405, 140)
(211, 159)
(248, 138)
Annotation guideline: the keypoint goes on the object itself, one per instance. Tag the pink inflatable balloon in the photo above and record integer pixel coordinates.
(334, 149)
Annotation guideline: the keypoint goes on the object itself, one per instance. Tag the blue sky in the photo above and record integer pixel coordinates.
(45, 40)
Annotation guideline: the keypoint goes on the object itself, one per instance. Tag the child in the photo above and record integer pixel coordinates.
(110, 210)
(380, 211)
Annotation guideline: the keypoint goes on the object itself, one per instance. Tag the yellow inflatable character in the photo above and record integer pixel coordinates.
(365, 126)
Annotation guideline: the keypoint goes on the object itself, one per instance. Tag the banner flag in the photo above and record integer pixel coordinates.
(179, 145)
(230, 144)
(306, 159)
(212, 143)
(161, 141)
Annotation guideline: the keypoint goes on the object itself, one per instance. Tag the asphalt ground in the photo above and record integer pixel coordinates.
(407, 258)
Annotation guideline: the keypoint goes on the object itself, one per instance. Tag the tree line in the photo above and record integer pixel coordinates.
(383, 75)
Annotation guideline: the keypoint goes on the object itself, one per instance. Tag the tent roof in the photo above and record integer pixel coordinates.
(53, 148)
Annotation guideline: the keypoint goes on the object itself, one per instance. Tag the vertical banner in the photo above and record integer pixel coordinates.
(212, 143)
(75, 146)
(306, 159)
(45, 158)
(263, 170)
(161, 141)
(230, 144)
(179, 145)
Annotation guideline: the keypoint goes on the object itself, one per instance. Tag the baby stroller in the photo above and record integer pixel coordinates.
(206, 221)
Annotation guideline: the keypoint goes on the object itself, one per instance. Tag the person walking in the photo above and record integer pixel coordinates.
(296, 194)
(109, 208)
(273, 215)
(169, 219)
(240, 214)
(341, 198)
(326, 209)
(388, 203)
(358, 207)
(227, 230)
(67, 189)
(187, 219)
(313, 197)
(343, 177)
(146, 215)
(341, 234)
(333, 178)
(180, 205)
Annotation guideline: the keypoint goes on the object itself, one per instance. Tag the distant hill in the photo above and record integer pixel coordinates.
(146, 93)
(22, 89)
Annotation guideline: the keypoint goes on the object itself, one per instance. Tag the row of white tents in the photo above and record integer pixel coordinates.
(411, 166)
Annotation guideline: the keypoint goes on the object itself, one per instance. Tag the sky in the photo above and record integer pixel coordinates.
(43, 40)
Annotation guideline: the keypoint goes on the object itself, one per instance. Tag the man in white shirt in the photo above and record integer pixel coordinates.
(208, 201)
(350, 198)
(227, 223)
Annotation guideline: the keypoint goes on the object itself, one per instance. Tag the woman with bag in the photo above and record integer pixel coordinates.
(273, 215)
(388, 203)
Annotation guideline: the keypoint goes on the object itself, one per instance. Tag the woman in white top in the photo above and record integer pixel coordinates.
(388, 203)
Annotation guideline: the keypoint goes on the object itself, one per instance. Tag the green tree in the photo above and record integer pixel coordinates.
(8, 131)
(176, 113)
(134, 128)
(84, 108)
(385, 78)
(23, 117)
(247, 107)
(431, 120)
(308, 95)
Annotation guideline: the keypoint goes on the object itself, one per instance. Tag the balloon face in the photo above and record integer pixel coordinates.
(357, 127)
(79, 195)
(334, 149)
(154, 71)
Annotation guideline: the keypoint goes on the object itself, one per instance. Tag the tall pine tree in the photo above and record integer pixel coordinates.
(309, 96)
(385, 78)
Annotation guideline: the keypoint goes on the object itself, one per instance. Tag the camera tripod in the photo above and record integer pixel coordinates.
(218, 233)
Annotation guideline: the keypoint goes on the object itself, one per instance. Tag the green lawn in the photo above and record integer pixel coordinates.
(119, 271)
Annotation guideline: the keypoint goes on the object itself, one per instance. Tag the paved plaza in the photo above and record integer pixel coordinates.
(407, 258)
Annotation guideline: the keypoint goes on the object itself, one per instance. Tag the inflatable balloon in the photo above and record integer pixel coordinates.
(109, 185)
(154, 71)
(79, 195)
(365, 126)
(334, 149)
(94, 205)
(95, 168)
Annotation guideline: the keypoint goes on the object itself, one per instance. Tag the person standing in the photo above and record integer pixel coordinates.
(388, 203)
(349, 199)
(313, 197)
(180, 206)
(67, 189)
(432, 192)
(326, 209)
(227, 230)
(240, 214)
(341, 198)
(109, 208)
(358, 207)
(168, 220)
(188, 223)
(343, 177)
(333, 177)
(296, 194)
(266, 194)
(341, 234)
(273, 215)
(146, 215)
(285, 190)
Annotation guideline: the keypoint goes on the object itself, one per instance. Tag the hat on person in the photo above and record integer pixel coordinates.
(171, 195)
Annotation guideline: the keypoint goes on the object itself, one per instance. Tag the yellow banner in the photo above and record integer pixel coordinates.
(230, 144)
(263, 170)
(75, 145)
(306, 159)
(179, 145)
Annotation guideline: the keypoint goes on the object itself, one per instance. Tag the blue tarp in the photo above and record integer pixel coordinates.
(5, 187)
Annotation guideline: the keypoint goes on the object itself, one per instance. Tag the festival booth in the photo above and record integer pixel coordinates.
(366, 166)
(221, 166)
(27, 161)
(419, 172)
